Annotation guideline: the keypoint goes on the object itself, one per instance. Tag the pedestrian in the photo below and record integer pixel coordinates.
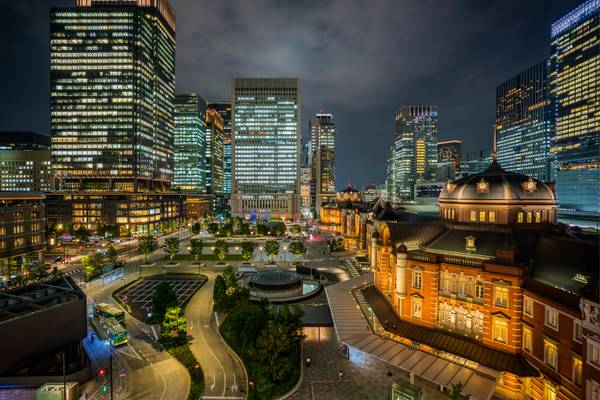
(92, 338)
(340, 374)
(307, 362)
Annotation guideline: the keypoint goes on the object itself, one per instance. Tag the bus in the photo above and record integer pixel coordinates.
(108, 311)
(115, 331)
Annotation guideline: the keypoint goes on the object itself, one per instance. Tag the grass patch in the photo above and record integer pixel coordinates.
(204, 257)
(184, 355)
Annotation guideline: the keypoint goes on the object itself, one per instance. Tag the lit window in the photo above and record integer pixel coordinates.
(529, 217)
(473, 216)
(501, 296)
(416, 307)
(479, 287)
(527, 343)
(528, 306)
(549, 391)
(538, 217)
(577, 369)
(482, 216)
(550, 353)
(520, 217)
(551, 318)
(417, 281)
(492, 216)
(500, 330)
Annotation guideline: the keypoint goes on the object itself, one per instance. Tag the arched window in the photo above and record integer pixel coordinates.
(479, 289)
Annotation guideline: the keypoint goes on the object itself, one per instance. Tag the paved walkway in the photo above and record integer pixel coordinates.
(371, 380)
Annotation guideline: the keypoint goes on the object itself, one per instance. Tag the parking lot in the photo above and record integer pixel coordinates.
(139, 296)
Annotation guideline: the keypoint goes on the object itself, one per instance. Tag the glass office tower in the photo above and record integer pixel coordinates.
(224, 110)
(413, 156)
(575, 84)
(266, 148)
(112, 94)
(214, 152)
(523, 123)
(322, 158)
(190, 143)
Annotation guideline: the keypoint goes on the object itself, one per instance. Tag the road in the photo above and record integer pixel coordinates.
(223, 374)
(150, 372)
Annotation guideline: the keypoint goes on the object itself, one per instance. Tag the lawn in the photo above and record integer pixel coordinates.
(184, 355)
(205, 257)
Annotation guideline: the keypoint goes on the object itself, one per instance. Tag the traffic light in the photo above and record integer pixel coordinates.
(104, 388)
(101, 372)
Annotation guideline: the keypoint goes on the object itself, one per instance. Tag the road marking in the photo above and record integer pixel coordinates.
(128, 353)
(217, 318)
(234, 387)
(212, 387)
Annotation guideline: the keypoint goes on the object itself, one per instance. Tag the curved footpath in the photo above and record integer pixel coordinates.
(224, 376)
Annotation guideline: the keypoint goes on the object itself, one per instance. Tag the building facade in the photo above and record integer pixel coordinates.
(322, 159)
(25, 162)
(190, 143)
(214, 152)
(475, 162)
(266, 148)
(494, 285)
(22, 228)
(413, 155)
(449, 157)
(575, 83)
(224, 110)
(133, 214)
(112, 89)
(523, 124)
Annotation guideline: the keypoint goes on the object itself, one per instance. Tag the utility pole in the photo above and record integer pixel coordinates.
(110, 367)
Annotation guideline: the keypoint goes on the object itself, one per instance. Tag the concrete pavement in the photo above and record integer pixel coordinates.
(223, 374)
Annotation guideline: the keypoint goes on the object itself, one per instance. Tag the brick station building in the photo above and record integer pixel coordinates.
(494, 282)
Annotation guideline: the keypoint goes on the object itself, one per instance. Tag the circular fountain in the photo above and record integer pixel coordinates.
(281, 285)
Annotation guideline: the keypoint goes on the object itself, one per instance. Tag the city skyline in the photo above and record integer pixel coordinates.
(464, 114)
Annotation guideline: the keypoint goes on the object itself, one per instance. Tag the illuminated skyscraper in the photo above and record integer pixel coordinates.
(190, 143)
(322, 160)
(266, 148)
(523, 123)
(112, 94)
(214, 152)
(25, 162)
(413, 155)
(224, 110)
(448, 162)
(575, 84)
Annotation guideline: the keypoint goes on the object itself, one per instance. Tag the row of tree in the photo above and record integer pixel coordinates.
(92, 264)
(267, 340)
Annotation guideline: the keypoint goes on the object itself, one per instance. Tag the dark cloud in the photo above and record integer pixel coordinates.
(359, 60)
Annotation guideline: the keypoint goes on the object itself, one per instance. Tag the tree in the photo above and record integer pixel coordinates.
(247, 250)
(196, 228)
(271, 353)
(147, 245)
(213, 228)
(171, 247)
(295, 229)
(174, 327)
(92, 264)
(336, 244)
(57, 273)
(40, 271)
(272, 249)
(226, 229)
(221, 249)
(52, 230)
(196, 247)
(112, 255)
(297, 248)
(456, 392)
(164, 298)
(82, 233)
(230, 279)
(261, 229)
(278, 229)
(219, 294)
(244, 228)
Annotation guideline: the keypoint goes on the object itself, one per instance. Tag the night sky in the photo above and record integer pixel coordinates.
(359, 60)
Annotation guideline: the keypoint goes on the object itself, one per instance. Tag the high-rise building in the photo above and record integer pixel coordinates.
(190, 143)
(523, 123)
(574, 85)
(224, 110)
(448, 163)
(214, 152)
(413, 155)
(266, 148)
(112, 84)
(322, 159)
(25, 162)
(305, 198)
(476, 161)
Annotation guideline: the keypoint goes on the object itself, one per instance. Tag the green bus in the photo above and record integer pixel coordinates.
(116, 333)
(108, 311)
